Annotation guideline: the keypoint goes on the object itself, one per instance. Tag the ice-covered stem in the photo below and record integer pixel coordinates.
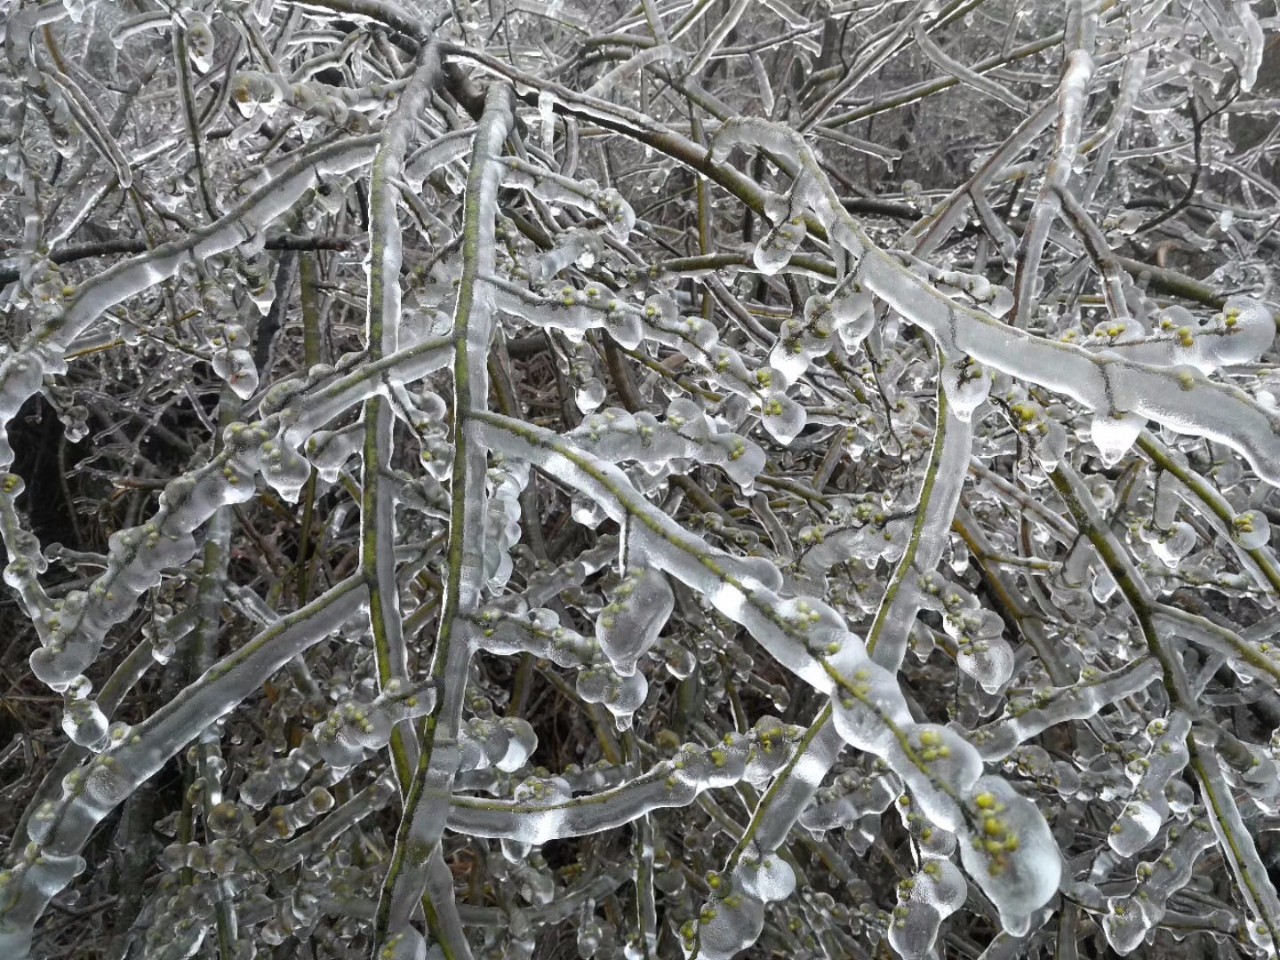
(22, 372)
(1147, 808)
(26, 561)
(341, 741)
(646, 902)
(382, 336)
(811, 640)
(1253, 884)
(1130, 919)
(1100, 252)
(1073, 93)
(85, 113)
(187, 98)
(110, 696)
(312, 353)
(741, 589)
(791, 789)
(1080, 701)
(716, 36)
(542, 811)
(1264, 568)
(1136, 592)
(556, 189)
(382, 11)
(426, 805)
(964, 74)
(932, 231)
(925, 900)
(135, 754)
(1082, 25)
(789, 793)
(366, 802)
(138, 555)
(1110, 386)
(209, 769)
(1137, 56)
(1239, 650)
(935, 509)
(1050, 519)
(630, 123)
(870, 59)
(928, 88)
(1002, 587)
(210, 593)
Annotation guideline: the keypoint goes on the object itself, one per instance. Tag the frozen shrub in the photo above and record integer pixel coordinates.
(716, 479)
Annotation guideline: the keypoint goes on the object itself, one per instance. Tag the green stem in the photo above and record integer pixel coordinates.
(427, 801)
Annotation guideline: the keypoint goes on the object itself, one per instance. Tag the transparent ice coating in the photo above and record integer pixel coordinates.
(1010, 852)
(848, 800)
(1121, 392)
(766, 877)
(799, 342)
(352, 728)
(937, 764)
(1241, 333)
(1147, 808)
(82, 719)
(629, 625)
(774, 249)
(1114, 434)
(728, 923)
(541, 810)
(1129, 919)
(621, 695)
(557, 190)
(924, 901)
(851, 402)
(981, 650)
(1080, 701)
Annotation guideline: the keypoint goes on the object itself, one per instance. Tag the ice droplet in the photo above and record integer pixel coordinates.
(1251, 530)
(629, 625)
(775, 248)
(782, 416)
(729, 924)
(1113, 433)
(590, 395)
(768, 878)
(1013, 856)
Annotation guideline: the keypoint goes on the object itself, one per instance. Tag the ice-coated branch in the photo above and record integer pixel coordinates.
(789, 793)
(1121, 393)
(542, 810)
(59, 831)
(935, 509)
(740, 420)
(1253, 884)
(1145, 813)
(1080, 701)
(1014, 867)
(964, 74)
(426, 803)
(1073, 94)
(383, 336)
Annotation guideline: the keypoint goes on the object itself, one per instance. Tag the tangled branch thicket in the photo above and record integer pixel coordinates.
(544, 480)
